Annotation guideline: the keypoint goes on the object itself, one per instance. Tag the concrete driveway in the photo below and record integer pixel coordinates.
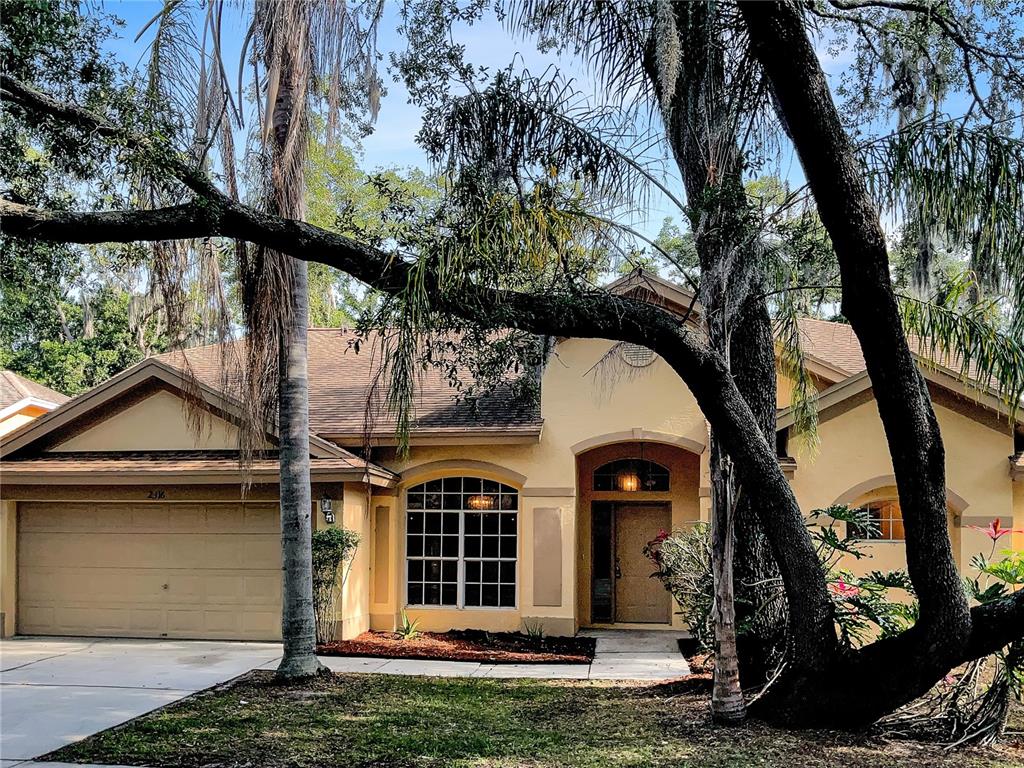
(54, 691)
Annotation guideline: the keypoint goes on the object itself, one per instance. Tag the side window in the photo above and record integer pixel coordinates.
(886, 522)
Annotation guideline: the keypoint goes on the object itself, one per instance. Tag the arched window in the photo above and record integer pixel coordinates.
(461, 543)
(885, 522)
(630, 475)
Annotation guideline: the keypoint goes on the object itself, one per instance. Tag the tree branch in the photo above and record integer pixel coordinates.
(781, 43)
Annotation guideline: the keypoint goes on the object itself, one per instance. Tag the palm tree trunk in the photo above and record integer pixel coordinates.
(727, 703)
(288, 189)
(298, 625)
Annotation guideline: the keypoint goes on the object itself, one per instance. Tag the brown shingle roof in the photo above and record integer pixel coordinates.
(836, 345)
(340, 379)
(15, 388)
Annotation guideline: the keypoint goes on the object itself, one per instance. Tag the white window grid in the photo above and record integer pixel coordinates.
(888, 521)
(464, 557)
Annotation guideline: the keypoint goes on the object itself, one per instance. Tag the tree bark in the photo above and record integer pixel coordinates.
(298, 624)
(727, 702)
(756, 573)
(877, 679)
(701, 131)
(287, 198)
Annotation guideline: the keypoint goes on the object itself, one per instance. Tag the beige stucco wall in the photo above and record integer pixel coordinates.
(352, 513)
(8, 566)
(1017, 540)
(853, 455)
(585, 404)
(158, 423)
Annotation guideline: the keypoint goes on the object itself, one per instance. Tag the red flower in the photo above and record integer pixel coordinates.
(662, 535)
(844, 590)
(994, 531)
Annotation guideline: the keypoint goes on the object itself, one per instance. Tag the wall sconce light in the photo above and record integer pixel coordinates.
(327, 509)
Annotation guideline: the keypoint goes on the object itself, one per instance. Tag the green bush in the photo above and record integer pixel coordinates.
(333, 548)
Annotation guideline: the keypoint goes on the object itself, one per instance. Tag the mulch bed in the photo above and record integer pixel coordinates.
(467, 645)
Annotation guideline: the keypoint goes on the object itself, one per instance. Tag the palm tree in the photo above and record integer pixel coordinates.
(305, 54)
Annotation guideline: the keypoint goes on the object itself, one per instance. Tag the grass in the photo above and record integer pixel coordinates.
(382, 720)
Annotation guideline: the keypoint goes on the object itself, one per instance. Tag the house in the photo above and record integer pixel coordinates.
(22, 400)
(119, 518)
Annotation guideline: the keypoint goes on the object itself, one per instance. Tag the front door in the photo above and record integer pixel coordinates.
(638, 597)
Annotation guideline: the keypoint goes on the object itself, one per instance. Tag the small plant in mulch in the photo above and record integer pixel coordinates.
(467, 645)
(408, 629)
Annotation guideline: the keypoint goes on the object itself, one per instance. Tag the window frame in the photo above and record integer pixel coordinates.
(611, 469)
(882, 505)
(460, 604)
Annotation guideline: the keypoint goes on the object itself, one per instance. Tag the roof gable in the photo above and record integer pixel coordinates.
(18, 393)
(647, 286)
(68, 427)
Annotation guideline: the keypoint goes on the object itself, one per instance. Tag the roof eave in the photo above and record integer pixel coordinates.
(496, 436)
(142, 476)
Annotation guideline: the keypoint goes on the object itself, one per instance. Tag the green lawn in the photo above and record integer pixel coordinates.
(378, 720)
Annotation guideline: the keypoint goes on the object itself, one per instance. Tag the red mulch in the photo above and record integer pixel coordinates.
(467, 645)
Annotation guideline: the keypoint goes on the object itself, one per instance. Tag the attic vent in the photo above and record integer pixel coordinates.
(636, 355)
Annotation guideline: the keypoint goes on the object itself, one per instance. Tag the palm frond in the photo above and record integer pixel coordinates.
(610, 37)
(961, 336)
(968, 182)
(523, 125)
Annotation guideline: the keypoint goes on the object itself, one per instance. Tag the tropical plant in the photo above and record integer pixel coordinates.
(867, 607)
(409, 629)
(534, 630)
(333, 550)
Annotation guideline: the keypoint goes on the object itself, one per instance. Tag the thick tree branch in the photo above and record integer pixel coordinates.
(594, 314)
(995, 625)
(40, 103)
(781, 44)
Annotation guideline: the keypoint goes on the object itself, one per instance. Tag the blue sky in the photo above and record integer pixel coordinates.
(393, 142)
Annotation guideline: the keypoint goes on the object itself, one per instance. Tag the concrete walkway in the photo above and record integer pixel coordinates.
(55, 691)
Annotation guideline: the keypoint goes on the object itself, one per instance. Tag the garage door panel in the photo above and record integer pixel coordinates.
(159, 570)
(257, 624)
(262, 518)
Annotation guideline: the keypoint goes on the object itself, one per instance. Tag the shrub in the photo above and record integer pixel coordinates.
(333, 548)
(683, 562)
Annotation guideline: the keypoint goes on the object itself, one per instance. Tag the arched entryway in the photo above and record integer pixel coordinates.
(627, 492)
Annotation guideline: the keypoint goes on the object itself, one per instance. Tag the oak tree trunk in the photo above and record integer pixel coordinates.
(858, 687)
(701, 133)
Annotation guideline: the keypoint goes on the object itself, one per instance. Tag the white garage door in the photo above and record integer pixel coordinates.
(150, 570)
